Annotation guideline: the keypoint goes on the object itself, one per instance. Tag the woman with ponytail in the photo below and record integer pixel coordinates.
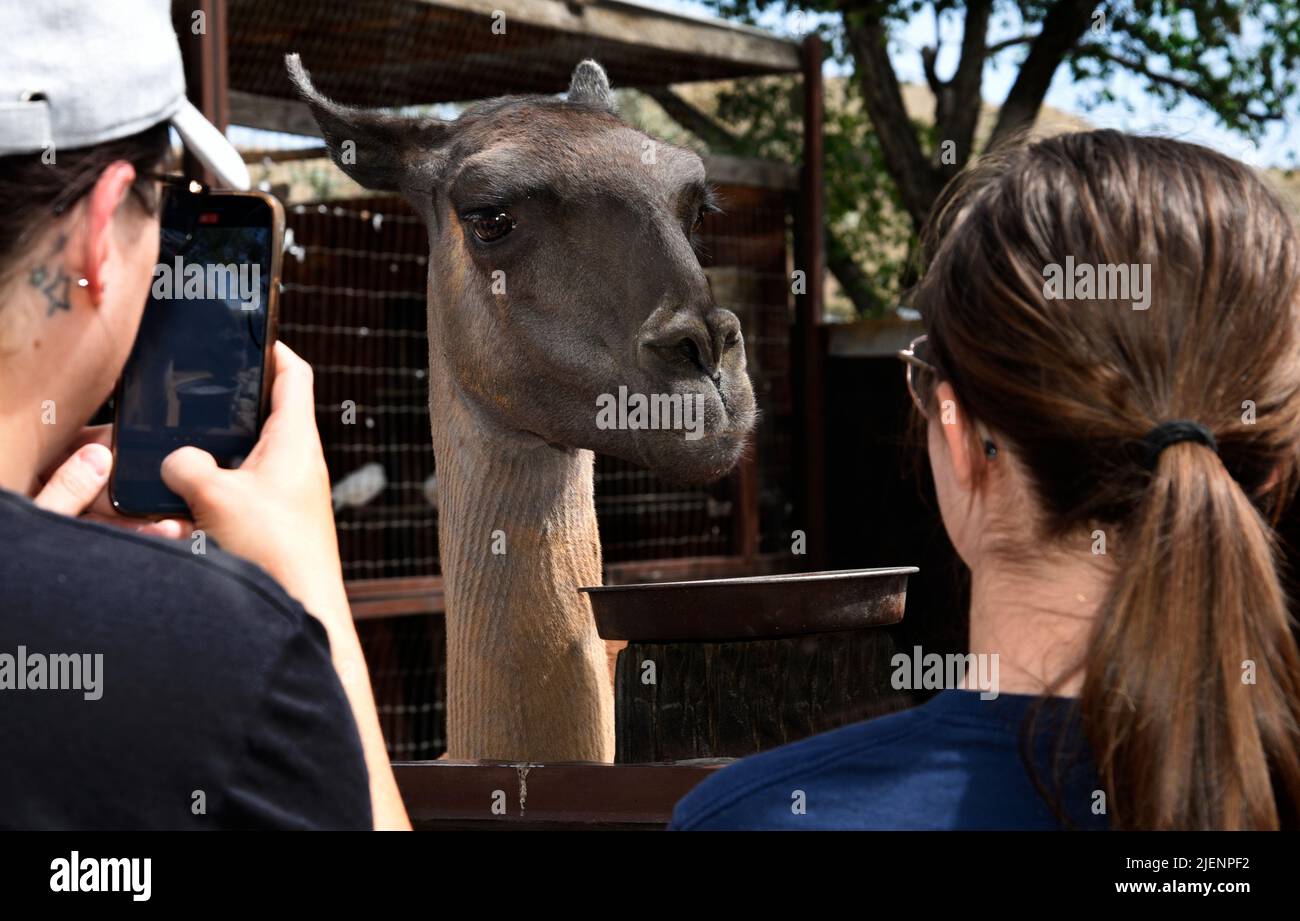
(1110, 385)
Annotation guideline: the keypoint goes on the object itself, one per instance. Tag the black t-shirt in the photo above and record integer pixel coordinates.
(145, 686)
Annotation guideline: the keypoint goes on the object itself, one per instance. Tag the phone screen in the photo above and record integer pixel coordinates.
(197, 372)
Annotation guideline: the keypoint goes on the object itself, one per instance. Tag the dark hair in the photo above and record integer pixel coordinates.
(32, 191)
(1179, 737)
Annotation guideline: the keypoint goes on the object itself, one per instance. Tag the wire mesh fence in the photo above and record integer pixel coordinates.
(353, 305)
(355, 277)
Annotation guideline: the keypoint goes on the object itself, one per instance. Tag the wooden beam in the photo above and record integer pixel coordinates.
(746, 517)
(462, 794)
(762, 174)
(377, 598)
(207, 76)
(271, 113)
(878, 337)
(810, 333)
(263, 155)
(645, 27)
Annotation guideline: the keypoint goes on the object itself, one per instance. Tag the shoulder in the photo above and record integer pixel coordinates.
(958, 761)
(209, 677)
(813, 783)
(74, 574)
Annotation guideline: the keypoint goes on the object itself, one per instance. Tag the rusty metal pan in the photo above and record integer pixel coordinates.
(751, 607)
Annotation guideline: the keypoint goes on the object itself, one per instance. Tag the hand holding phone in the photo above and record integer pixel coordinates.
(276, 511)
(77, 485)
(197, 372)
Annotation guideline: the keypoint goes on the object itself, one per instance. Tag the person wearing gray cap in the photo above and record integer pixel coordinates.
(144, 684)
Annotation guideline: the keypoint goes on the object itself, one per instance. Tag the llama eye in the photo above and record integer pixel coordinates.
(708, 207)
(492, 225)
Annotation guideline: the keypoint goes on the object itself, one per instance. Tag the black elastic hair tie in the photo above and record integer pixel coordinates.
(1171, 433)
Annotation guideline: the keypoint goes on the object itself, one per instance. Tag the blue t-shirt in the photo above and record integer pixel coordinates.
(954, 763)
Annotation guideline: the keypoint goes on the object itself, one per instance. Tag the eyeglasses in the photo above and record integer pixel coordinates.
(922, 376)
(176, 182)
(171, 182)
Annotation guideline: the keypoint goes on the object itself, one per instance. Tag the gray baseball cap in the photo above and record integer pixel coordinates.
(74, 73)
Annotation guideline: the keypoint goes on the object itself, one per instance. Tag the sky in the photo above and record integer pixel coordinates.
(1190, 122)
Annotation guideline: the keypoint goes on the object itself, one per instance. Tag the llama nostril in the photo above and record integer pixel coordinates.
(686, 341)
(724, 329)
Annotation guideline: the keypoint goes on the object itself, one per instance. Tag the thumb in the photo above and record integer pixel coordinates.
(186, 471)
(77, 482)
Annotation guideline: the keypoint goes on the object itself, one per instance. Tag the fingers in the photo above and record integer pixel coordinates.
(91, 434)
(292, 402)
(97, 434)
(170, 528)
(78, 480)
(289, 437)
(188, 472)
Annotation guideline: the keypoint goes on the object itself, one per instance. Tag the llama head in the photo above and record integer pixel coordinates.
(565, 293)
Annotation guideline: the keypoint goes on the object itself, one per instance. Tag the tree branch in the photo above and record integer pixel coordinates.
(1006, 43)
(1183, 86)
(917, 181)
(962, 110)
(853, 281)
(1063, 26)
(701, 124)
(928, 56)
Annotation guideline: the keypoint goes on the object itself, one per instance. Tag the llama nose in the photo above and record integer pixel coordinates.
(697, 341)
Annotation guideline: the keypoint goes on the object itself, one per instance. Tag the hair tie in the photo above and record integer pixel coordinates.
(1171, 433)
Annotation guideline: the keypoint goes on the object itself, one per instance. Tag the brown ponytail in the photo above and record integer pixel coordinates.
(1191, 679)
(1190, 689)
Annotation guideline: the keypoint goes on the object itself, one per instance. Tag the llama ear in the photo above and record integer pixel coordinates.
(590, 86)
(377, 150)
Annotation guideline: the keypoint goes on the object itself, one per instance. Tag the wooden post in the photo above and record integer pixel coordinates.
(726, 670)
(747, 508)
(201, 27)
(732, 699)
(810, 335)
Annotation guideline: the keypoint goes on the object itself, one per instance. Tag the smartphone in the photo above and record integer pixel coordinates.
(199, 371)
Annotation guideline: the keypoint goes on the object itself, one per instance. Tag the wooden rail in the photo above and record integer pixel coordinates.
(503, 795)
(372, 598)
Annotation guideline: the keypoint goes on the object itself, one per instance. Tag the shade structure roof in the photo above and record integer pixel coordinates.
(383, 53)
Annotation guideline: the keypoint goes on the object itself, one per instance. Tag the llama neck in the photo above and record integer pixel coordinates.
(527, 677)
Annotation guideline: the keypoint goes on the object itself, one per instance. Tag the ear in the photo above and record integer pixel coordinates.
(92, 250)
(375, 149)
(590, 87)
(958, 435)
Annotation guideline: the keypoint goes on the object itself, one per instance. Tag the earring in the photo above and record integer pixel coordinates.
(990, 449)
(81, 282)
